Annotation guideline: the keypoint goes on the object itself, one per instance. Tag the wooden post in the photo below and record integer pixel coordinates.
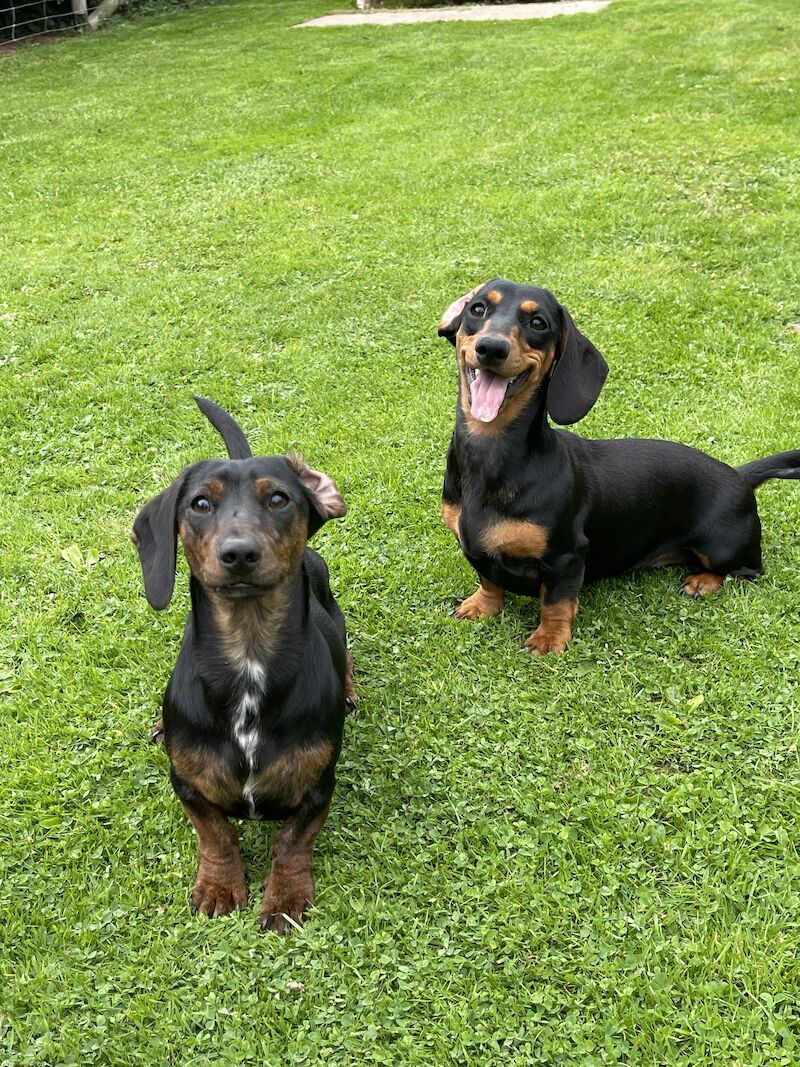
(104, 10)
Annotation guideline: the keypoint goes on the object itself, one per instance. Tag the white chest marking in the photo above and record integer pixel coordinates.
(245, 723)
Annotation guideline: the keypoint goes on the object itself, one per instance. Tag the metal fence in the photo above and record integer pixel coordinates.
(23, 20)
(37, 18)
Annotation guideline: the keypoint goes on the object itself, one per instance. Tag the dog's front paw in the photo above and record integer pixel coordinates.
(480, 605)
(157, 733)
(285, 901)
(214, 898)
(545, 640)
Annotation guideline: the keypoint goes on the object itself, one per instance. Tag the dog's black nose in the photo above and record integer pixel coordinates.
(239, 554)
(491, 350)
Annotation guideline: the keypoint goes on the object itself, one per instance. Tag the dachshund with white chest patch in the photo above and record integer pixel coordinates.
(539, 511)
(254, 710)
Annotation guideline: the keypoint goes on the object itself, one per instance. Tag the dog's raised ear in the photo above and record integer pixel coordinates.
(451, 320)
(325, 499)
(577, 377)
(155, 534)
(227, 427)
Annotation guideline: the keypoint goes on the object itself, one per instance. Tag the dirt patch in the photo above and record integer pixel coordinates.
(482, 13)
(38, 38)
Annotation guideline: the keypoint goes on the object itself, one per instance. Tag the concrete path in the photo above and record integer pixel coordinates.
(482, 13)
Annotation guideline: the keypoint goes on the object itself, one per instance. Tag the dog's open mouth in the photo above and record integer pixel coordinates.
(240, 590)
(488, 391)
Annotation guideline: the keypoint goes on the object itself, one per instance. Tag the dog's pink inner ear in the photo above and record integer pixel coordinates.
(456, 308)
(328, 501)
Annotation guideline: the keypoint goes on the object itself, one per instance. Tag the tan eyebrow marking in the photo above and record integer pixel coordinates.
(262, 486)
(494, 297)
(215, 488)
(529, 306)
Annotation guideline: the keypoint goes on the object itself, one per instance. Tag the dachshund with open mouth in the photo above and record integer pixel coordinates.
(254, 710)
(539, 511)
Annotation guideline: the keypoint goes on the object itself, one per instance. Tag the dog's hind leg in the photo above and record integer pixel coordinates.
(732, 547)
(701, 584)
(350, 693)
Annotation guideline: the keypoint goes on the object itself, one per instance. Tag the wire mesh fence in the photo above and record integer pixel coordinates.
(23, 20)
(37, 18)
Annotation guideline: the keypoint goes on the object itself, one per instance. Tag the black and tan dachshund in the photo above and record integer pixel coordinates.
(254, 710)
(539, 511)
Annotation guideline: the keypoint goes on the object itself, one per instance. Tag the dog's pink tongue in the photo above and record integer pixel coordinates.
(488, 391)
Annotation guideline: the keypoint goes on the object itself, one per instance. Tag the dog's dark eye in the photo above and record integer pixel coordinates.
(201, 504)
(538, 323)
(478, 309)
(278, 500)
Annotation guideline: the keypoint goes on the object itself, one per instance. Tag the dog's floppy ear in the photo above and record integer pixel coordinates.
(227, 427)
(577, 377)
(451, 320)
(155, 534)
(325, 499)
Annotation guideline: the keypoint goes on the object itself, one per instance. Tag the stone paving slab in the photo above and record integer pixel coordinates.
(480, 13)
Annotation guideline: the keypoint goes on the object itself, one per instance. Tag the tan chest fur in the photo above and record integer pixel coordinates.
(288, 778)
(511, 537)
(285, 780)
(514, 537)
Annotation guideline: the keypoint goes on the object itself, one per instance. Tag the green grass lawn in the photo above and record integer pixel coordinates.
(589, 859)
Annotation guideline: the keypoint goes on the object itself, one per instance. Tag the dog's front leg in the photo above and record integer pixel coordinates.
(289, 888)
(219, 887)
(559, 595)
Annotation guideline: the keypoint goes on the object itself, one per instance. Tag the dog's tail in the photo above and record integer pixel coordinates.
(228, 428)
(781, 465)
